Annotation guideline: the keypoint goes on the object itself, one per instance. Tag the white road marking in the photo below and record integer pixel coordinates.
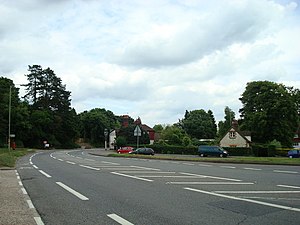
(89, 167)
(153, 172)
(229, 167)
(29, 202)
(145, 168)
(245, 200)
(119, 219)
(61, 160)
(204, 165)
(255, 169)
(110, 163)
(166, 176)
(20, 183)
(77, 194)
(288, 186)
(34, 166)
(18, 177)
(38, 221)
(71, 162)
(283, 171)
(212, 183)
(257, 192)
(90, 160)
(24, 191)
(45, 174)
(188, 164)
(134, 177)
(205, 176)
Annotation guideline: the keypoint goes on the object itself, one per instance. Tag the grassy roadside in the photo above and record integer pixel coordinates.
(234, 159)
(9, 158)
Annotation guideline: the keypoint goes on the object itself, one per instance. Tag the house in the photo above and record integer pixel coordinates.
(147, 129)
(236, 138)
(296, 140)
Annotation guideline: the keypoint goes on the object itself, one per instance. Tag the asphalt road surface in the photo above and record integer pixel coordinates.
(74, 187)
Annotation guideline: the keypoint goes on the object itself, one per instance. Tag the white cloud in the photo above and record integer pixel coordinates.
(153, 59)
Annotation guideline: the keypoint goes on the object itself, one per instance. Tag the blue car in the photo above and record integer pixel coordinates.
(294, 154)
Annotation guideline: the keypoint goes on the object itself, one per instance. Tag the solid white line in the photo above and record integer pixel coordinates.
(71, 162)
(119, 219)
(245, 200)
(255, 169)
(45, 174)
(288, 186)
(89, 167)
(77, 194)
(257, 192)
(24, 191)
(282, 171)
(134, 177)
(34, 166)
(38, 221)
(205, 176)
(212, 183)
(166, 176)
(146, 168)
(110, 163)
(29, 202)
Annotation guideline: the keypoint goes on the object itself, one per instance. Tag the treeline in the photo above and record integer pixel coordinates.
(44, 114)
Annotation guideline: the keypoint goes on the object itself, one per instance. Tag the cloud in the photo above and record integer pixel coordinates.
(153, 59)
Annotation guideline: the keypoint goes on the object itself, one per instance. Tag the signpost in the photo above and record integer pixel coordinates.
(137, 132)
(105, 136)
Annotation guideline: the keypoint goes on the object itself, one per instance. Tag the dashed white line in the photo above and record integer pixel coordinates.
(38, 221)
(188, 164)
(119, 219)
(248, 168)
(145, 168)
(34, 166)
(205, 176)
(71, 162)
(89, 167)
(283, 171)
(229, 167)
(31, 206)
(245, 200)
(61, 160)
(45, 174)
(77, 194)
(257, 192)
(24, 191)
(212, 183)
(204, 165)
(134, 177)
(288, 186)
(110, 163)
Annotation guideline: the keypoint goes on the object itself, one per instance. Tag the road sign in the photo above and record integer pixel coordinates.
(137, 131)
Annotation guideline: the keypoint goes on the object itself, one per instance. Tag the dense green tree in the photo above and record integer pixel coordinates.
(199, 124)
(225, 125)
(128, 133)
(93, 123)
(270, 112)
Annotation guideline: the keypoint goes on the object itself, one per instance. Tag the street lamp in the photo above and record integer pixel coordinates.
(105, 136)
(9, 117)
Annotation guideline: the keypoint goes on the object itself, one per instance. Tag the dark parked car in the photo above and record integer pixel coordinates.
(143, 151)
(205, 150)
(294, 154)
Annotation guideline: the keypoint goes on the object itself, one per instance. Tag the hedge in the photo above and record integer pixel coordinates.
(238, 151)
(170, 149)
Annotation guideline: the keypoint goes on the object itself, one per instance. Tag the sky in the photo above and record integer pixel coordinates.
(153, 59)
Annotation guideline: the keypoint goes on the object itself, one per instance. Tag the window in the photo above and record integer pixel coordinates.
(232, 134)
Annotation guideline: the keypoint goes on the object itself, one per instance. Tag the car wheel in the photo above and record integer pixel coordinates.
(291, 157)
(221, 155)
(202, 155)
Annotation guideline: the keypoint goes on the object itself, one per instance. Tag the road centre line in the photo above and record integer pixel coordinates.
(89, 167)
(119, 219)
(257, 192)
(45, 174)
(189, 164)
(205, 176)
(61, 160)
(134, 177)
(245, 200)
(229, 167)
(77, 194)
(288, 186)
(145, 168)
(212, 183)
(283, 171)
(71, 162)
(110, 163)
(248, 168)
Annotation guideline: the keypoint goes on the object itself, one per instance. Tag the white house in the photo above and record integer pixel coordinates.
(235, 138)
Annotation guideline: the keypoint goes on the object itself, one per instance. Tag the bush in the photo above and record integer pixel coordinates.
(171, 149)
(239, 151)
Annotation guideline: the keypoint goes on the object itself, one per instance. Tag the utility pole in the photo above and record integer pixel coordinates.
(9, 117)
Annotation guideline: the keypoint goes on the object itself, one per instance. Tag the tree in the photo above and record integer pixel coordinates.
(270, 112)
(225, 125)
(199, 124)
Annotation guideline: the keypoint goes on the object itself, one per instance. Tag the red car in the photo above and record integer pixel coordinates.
(125, 150)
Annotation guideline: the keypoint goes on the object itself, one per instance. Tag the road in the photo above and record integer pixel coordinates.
(74, 187)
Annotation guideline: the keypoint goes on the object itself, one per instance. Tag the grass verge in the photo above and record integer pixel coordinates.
(233, 159)
(8, 158)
